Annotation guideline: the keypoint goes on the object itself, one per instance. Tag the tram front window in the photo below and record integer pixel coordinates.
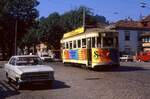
(108, 42)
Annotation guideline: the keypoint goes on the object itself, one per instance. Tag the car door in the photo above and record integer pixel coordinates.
(11, 68)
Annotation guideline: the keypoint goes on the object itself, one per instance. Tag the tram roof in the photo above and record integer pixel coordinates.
(81, 30)
(100, 30)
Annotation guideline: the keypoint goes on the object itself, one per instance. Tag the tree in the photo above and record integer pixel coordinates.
(52, 29)
(21, 11)
(32, 38)
(54, 26)
(101, 21)
(74, 18)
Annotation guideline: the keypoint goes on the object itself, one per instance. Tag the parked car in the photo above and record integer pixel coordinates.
(143, 56)
(126, 58)
(46, 58)
(25, 69)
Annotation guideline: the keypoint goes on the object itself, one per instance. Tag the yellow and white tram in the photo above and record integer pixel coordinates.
(93, 47)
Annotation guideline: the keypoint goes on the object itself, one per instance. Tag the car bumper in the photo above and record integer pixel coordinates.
(47, 59)
(35, 81)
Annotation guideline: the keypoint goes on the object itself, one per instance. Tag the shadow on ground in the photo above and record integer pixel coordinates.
(59, 85)
(128, 69)
(111, 69)
(7, 90)
(121, 69)
(56, 85)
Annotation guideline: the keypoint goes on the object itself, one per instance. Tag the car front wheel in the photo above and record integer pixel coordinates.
(19, 86)
(8, 78)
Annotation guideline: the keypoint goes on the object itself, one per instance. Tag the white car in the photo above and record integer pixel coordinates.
(28, 69)
(126, 58)
(46, 58)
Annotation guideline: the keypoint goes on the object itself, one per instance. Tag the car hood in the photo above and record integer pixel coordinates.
(45, 57)
(36, 68)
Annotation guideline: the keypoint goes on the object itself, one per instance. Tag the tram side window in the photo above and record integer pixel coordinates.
(63, 45)
(99, 41)
(67, 45)
(74, 44)
(108, 42)
(70, 43)
(116, 41)
(83, 43)
(93, 42)
(79, 43)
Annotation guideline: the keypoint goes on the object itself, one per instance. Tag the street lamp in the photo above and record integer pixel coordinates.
(144, 5)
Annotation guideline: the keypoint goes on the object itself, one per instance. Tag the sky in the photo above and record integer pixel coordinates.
(113, 10)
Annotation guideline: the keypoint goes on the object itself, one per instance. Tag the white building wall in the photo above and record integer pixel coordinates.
(132, 44)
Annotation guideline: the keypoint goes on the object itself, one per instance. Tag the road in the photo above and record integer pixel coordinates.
(130, 81)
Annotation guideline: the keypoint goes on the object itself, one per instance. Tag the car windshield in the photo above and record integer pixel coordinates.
(44, 55)
(28, 61)
(125, 56)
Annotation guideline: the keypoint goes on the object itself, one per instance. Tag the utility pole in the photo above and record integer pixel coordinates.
(16, 30)
(84, 17)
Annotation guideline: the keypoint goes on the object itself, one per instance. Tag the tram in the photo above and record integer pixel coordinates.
(93, 47)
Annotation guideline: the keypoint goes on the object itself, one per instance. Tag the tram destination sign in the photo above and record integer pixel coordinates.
(74, 32)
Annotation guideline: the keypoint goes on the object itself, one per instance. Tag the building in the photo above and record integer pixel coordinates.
(129, 36)
(41, 48)
(145, 36)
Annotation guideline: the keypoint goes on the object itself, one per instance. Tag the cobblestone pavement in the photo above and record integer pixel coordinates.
(130, 81)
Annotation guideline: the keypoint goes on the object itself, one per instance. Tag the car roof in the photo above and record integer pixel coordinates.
(126, 55)
(16, 56)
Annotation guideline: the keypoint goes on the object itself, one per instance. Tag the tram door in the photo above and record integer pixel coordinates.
(89, 51)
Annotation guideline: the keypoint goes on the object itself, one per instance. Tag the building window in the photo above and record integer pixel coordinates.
(146, 40)
(127, 35)
(143, 40)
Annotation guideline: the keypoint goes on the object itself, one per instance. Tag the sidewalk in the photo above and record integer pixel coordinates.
(2, 63)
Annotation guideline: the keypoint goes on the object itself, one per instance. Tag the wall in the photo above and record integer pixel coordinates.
(132, 44)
